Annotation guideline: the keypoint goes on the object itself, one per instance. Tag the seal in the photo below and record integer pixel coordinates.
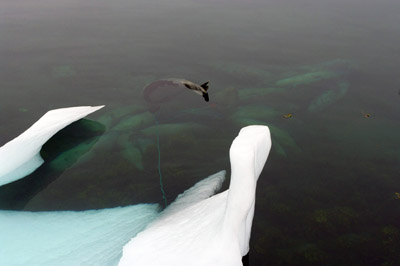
(199, 89)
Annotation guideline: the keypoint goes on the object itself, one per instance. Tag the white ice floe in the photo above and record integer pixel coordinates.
(20, 157)
(70, 238)
(200, 229)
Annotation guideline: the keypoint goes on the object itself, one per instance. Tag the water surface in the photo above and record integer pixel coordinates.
(322, 74)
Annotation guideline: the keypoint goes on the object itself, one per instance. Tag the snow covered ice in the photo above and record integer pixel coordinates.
(20, 156)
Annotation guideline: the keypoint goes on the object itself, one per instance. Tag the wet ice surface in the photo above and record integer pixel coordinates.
(94, 237)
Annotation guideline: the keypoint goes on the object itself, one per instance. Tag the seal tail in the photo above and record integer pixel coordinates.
(205, 96)
(205, 86)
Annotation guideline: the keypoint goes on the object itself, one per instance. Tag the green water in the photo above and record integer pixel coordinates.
(327, 195)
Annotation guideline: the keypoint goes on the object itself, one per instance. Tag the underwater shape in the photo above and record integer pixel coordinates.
(70, 238)
(304, 79)
(258, 115)
(201, 230)
(20, 156)
(165, 90)
(329, 97)
(69, 148)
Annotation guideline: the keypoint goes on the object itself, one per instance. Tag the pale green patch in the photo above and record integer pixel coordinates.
(111, 118)
(283, 137)
(135, 122)
(143, 143)
(71, 156)
(329, 97)
(279, 149)
(307, 78)
(338, 66)
(130, 151)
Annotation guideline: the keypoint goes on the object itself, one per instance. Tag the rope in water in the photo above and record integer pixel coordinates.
(159, 152)
(159, 163)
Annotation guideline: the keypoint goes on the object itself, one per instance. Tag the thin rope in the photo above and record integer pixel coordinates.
(159, 163)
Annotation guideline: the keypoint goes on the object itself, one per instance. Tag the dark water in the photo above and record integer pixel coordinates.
(322, 74)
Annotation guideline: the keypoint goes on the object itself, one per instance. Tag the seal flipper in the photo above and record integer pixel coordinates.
(205, 86)
(205, 96)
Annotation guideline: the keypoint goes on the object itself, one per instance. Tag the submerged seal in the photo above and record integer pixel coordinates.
(166, 89)
(199, 89)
